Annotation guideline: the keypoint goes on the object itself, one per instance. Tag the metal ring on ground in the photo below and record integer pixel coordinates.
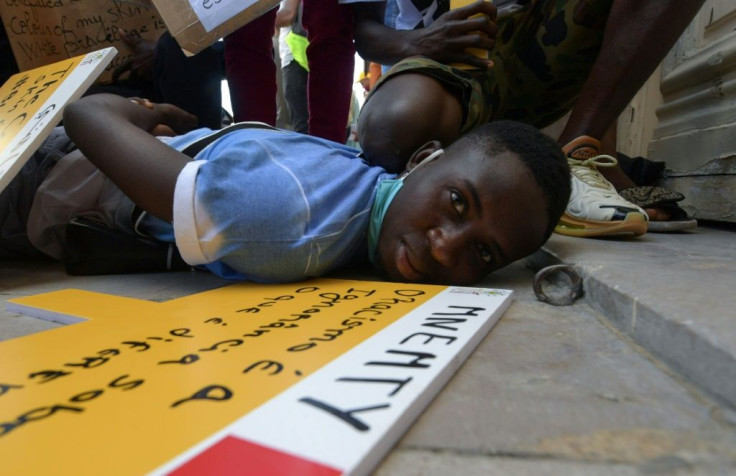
(575, 288)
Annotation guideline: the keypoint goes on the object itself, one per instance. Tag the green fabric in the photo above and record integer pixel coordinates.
(298, 46)
(542, 57)
(385, 194)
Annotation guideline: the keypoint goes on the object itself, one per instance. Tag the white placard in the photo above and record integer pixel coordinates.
(212, 13)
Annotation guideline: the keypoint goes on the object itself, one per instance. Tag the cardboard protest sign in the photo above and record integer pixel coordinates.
(44, 32)
(196, 24)
(322, 376)
(31, 104)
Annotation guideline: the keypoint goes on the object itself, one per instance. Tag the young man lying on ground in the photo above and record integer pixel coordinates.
(267, 205)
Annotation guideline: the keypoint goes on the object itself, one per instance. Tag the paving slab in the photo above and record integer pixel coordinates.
(672, 293)
(558, 391)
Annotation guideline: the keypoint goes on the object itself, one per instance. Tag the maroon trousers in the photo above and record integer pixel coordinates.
(251, 71)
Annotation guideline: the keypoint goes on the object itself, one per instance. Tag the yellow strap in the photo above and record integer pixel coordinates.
(298, 46)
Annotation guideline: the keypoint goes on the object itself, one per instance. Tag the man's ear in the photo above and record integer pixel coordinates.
(422, 153)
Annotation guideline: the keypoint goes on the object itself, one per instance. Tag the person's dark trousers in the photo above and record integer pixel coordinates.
(191, 82)
(295, 92)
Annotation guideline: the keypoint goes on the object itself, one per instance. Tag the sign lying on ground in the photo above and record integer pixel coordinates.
(319, 377)
(196, 24)
(44, 32)
(31, 104)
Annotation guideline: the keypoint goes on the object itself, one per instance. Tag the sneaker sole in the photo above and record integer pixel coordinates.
(634, 224)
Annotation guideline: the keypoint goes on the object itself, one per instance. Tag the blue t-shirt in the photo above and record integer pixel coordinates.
(270, 205)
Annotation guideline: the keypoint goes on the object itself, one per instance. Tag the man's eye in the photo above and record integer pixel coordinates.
(457, 202)
(485, 254)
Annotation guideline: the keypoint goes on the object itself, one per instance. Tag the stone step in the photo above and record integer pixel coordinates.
(673, 294)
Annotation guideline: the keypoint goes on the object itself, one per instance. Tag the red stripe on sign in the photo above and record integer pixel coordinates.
(235, 456)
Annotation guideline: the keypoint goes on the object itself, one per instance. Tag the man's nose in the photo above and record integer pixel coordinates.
(445, 245)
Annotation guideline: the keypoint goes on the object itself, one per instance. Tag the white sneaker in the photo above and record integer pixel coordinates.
(595, 208)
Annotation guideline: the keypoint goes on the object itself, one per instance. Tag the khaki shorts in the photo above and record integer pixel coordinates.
(543, 56)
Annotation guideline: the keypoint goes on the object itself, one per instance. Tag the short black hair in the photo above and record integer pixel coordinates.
(539, 152)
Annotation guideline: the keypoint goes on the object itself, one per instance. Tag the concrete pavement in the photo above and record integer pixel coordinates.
(637, 377)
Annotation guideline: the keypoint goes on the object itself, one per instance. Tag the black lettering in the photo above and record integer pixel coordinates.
(6, 387)
(399, 383)
(409, 292)
(470, 311)
(181, 332)
(440, 323)
(301, 347)
(186, 360)
(48, 375)
(265, 365)
(215, 393)
(362, 291)
(416, 363)
(344, 415)
(297, 317)
(349, 323)
(375, 313)
(328, 336)
(278, 325)
(216, 320)
(430, 337)
(89, 362)
(140, 345)
(249, 310)
(35, 415)
(86, 396)
(228, 343)
(130, 385)
(308, 289)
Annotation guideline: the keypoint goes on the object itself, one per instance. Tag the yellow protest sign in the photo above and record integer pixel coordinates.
(133, 385)
(31, 104)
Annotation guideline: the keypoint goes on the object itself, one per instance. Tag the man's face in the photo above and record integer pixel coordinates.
(460, 217)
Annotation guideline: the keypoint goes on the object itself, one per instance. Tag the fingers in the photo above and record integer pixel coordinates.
(448, 38)
(142, 102)
(456, 49)
(178, 119)
(131, 40)
(475, 61)
(169, 116)
(482, 24)
(471, 39)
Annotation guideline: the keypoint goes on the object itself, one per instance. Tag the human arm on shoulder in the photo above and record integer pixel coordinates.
(112, 132)
(446, 40)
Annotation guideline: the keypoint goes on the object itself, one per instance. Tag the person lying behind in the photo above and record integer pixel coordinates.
(268, 205)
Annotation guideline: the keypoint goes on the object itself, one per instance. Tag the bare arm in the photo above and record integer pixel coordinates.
(445, 40)
(287, 12)
(112, 132)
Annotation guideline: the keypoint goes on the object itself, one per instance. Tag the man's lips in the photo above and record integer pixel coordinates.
(404, 265)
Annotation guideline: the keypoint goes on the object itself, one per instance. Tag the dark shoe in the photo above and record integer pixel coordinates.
(649, 196)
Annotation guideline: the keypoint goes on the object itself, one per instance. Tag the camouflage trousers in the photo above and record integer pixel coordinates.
(543, 56)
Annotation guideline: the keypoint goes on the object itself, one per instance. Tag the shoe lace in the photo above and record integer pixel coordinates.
(587, 171)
